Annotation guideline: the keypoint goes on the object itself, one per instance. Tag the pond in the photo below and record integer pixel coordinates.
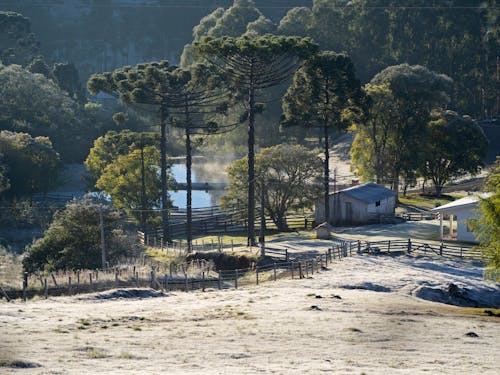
(204, 169)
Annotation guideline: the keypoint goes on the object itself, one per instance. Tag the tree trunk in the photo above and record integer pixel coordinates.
(163, 167)
(251, 162)
(189, 187)
(326, 177)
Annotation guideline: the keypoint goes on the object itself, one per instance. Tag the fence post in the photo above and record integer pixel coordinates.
(286, 255)
(307, 269)
(90, 279)
(274, 270)
(45, 287)
(441, 249)
(203, 281)
(292, 269)
(69, 285)
(300, 270)
(326, 258)
(236, 278)
(219, 281)
(257, 275)
(461, 255)
(25, 285)
(116, 277)
(409, 245)
(77, 279)
(185, 282)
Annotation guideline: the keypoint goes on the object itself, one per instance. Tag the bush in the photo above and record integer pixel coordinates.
(222, 261)
(73, 239)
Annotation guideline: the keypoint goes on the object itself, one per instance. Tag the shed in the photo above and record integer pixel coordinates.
(460, 213)
(359, 204)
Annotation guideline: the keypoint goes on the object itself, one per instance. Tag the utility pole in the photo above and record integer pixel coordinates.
(262, 235)
(103, 244)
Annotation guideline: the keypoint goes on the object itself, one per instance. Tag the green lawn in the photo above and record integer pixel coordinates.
(428, 202)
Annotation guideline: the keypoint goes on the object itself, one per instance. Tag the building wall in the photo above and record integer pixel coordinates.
(462, 215)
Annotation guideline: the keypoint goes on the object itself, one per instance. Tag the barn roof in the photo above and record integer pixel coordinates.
(369, 192)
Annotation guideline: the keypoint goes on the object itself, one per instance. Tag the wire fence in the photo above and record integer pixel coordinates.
(199, 274)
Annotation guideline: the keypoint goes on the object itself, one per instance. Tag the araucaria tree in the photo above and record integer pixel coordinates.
(324, 93)
(196, 98)
(252, 65)
(147, 84)
(455, 145)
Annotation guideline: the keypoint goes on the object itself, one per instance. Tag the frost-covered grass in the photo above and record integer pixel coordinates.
(361, 315)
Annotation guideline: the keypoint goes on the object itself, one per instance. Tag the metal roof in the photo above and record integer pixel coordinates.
(369, 192)
(470, 200)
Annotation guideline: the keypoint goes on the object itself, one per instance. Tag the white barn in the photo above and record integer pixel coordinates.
(359, 204)
(460, 212)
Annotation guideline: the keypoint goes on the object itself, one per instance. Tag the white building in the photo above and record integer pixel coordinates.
(460, 213)
(359, 204)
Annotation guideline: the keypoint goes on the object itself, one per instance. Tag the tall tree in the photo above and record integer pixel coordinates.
(197, 97)
(252, 65)
(110, 146)
(73, 239)
(411, 92)
(132, 182)
(31, 163)
(18, 45)
(288, 175)
(34, 104)
(324, 93)
(455, 145)
(145, 84)
(373, 148)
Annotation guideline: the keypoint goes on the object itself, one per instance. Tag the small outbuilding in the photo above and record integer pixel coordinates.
(460, 213)
(361, 204)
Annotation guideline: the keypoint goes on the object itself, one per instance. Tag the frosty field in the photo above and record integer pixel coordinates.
(359, 316)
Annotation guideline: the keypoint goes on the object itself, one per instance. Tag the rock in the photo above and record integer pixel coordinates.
(314, 307)
(471, 334)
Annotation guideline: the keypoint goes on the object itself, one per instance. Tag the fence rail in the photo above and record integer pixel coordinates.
(200, 274)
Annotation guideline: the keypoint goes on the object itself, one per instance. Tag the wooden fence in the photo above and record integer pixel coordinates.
(200, 274)
(411, 246)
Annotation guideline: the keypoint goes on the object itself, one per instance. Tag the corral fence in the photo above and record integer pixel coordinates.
(200, 274)
(214, 220)
(410, 246)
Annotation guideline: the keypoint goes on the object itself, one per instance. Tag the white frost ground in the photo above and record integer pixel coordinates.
(271, 329)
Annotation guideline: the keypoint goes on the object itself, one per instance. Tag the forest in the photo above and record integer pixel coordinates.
(122, 86)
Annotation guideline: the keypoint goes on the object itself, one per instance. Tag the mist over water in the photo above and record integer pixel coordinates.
(203, 170)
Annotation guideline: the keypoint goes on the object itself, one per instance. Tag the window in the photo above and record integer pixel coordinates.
(377, 203)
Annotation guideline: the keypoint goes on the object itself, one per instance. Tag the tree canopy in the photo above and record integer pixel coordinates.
(402, 97)
(455, 145)
(112, 145)
(455, 37)
(73, 239)
(29, 165)
(18, 45)
(36, 105)
(289, 176)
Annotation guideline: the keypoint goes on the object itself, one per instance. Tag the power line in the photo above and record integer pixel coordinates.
(210, 6)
